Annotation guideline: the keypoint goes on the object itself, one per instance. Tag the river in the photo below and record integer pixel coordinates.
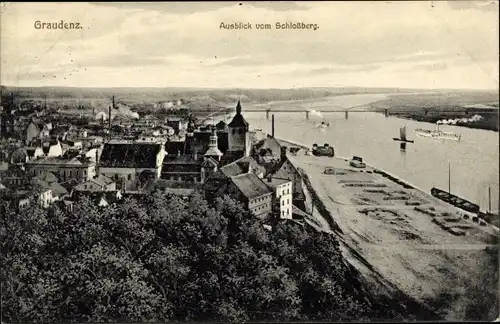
(473, 160)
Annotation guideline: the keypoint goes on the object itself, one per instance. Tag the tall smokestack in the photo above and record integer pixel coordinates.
(272, 126)
(109, 118)
(96, 162)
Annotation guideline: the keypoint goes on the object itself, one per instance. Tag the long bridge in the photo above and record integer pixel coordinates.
(466, 112)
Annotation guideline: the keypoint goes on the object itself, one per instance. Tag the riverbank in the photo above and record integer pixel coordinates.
(432, 107)
(489, 121)
(384, 230)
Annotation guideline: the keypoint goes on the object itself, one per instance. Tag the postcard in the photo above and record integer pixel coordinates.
(249, 161)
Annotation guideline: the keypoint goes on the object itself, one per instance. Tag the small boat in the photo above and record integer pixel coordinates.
(325, 150)
(357, 162)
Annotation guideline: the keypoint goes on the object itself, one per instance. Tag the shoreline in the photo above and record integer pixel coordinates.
(392, 177)
(392, 243)
(433, 120)
(381, 171)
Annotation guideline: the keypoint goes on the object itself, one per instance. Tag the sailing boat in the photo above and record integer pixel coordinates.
(402, 138)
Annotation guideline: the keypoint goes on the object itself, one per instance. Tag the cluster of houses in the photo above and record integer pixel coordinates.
(217, 160)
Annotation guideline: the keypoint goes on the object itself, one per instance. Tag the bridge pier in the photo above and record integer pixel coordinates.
(307, 114)
(346, 114)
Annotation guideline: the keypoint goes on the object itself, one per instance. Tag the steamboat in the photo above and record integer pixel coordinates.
(438, 134)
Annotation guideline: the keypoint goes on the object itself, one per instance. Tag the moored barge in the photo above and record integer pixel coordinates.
(455, 200)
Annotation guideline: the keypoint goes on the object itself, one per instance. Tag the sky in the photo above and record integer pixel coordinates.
(421, 44)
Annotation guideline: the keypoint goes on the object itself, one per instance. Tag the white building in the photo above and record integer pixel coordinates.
(282, 196)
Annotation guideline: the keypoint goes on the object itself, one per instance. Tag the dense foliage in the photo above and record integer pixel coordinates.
(163, 258)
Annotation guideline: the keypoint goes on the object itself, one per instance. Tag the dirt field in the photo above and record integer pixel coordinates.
(425, 247)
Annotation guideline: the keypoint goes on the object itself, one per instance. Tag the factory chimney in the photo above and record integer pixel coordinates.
(96, 162)
(272, 126)
(109, 115)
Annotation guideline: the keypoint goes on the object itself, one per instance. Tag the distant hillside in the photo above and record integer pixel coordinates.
(150, 100)
(459, 107)
(208, 96)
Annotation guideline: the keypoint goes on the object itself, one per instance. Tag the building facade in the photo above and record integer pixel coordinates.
(97, 184)
(77, 168)
(130, 161)
(282, 196)
(253, 193)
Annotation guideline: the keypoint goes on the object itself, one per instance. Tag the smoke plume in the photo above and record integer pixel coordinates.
(474, 118)
(315, 112)
(121, 110)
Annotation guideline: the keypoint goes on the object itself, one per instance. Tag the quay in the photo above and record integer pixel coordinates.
(395, 230)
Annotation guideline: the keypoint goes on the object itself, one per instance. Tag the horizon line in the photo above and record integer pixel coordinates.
(255, 88)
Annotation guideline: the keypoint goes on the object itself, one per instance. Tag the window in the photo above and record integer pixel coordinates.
(85, 186)
(287, 201)
(70, 173)
(234, 131)
(282, 203)
(129, 177)
(116, 176)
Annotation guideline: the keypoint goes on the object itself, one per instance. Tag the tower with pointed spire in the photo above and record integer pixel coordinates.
(238, 137)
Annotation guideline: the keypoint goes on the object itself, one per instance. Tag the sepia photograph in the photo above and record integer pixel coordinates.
(257, 161)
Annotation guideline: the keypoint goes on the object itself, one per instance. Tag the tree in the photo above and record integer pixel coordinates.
(161, 258)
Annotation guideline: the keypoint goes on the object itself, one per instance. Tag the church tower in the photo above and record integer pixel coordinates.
(238, 136)
(189, 141)
(213, 149)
